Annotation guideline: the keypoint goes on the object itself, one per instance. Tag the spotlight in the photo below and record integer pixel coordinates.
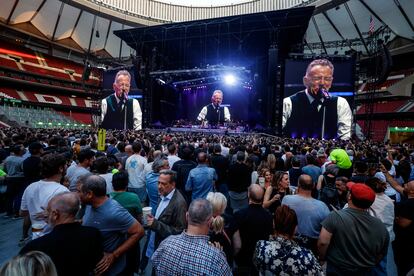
(229, 79)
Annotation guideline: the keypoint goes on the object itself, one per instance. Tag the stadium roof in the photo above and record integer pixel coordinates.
(82, 25)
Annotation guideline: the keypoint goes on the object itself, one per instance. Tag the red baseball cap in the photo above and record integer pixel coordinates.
(361, 191)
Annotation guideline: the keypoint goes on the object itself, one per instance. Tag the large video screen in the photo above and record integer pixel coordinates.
(215, 96)
(121, 110)
(324, 110)
(199, 105)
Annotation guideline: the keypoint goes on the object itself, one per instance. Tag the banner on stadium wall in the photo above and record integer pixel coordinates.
(44, 98)
(399, 135)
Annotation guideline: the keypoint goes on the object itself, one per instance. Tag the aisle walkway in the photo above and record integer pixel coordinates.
(10, 234)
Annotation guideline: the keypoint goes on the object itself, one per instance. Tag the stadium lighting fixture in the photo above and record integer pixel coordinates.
(230, 79)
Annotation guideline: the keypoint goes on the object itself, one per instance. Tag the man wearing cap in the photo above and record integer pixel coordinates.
(352, 242)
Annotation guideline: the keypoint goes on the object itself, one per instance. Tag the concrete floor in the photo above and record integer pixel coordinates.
(10, 234)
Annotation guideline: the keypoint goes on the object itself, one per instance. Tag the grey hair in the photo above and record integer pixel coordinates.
(122, 73)
(172, 174)
(321, 62)
(158, 163)
(96, 184)
(217, 92)
(199, 212)
(67, 203)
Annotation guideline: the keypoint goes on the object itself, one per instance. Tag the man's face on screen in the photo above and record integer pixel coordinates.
(121, 86)
(318, 75)
(217, 99)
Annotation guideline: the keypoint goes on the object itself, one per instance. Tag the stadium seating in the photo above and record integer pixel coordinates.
(25, 59)
(39, 117)
(383, 107)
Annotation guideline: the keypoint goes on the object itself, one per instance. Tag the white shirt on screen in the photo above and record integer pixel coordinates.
(203, 114)
(136, 111)
(343, 109)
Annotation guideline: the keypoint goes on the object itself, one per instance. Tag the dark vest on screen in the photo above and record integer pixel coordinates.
(306, 121)
(215, 115)
(115, 116)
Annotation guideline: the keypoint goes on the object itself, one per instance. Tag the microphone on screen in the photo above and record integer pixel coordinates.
(324, 93)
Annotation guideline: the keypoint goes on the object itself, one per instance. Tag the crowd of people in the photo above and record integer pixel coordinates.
(202, 204)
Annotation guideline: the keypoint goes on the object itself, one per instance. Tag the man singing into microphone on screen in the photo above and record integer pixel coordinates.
(214, 113)
(313, 112)
(117, 111)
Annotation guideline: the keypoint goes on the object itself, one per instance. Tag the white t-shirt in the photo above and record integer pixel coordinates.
(108, 180)
(135, 165)
(383, 209)
(172, 159)
(37, 195)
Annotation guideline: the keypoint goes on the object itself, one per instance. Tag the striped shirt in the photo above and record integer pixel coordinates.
(189, 255)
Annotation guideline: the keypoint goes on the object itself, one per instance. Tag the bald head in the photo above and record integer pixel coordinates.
(67, 203)
(202, 158)
(62, 208)
(256, 194)
(157, 154)
(128, 149)
(305, 182)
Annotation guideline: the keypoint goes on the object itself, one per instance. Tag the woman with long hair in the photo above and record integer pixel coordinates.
(281, 255)
(267, 177)
(271, 162)
(276, 191)
(222, 228)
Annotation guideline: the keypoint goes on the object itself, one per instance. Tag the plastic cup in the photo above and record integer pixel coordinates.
(261, 181)
(145, 212)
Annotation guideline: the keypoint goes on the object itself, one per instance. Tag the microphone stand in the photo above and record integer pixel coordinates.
(325, 96)
(323, 120)
(218, 111)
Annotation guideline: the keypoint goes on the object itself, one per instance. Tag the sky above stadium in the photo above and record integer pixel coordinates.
(204, 3)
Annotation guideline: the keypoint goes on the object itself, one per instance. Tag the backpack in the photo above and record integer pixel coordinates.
(329, 195)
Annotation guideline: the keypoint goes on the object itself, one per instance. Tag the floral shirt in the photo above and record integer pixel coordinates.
(280, 256)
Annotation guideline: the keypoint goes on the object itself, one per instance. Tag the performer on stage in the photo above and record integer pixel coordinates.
(214, 113)
(313, 112)
(117, 111)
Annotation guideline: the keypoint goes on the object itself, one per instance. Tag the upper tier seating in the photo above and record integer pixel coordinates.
(25, 59)
(383, 107)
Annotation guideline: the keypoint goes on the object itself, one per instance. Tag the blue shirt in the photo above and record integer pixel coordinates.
(310, 213)
(201, 181)
(113, 221)
(165, 200)
(151, 181)
(313, 171)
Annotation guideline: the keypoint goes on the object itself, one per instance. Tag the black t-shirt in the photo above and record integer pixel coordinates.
(73, 248)
(254, 223)
(294, 176)
(183, 168)
(32, 169)
(405, 236)
(221, 165)
(239, 177)
(225, 237)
